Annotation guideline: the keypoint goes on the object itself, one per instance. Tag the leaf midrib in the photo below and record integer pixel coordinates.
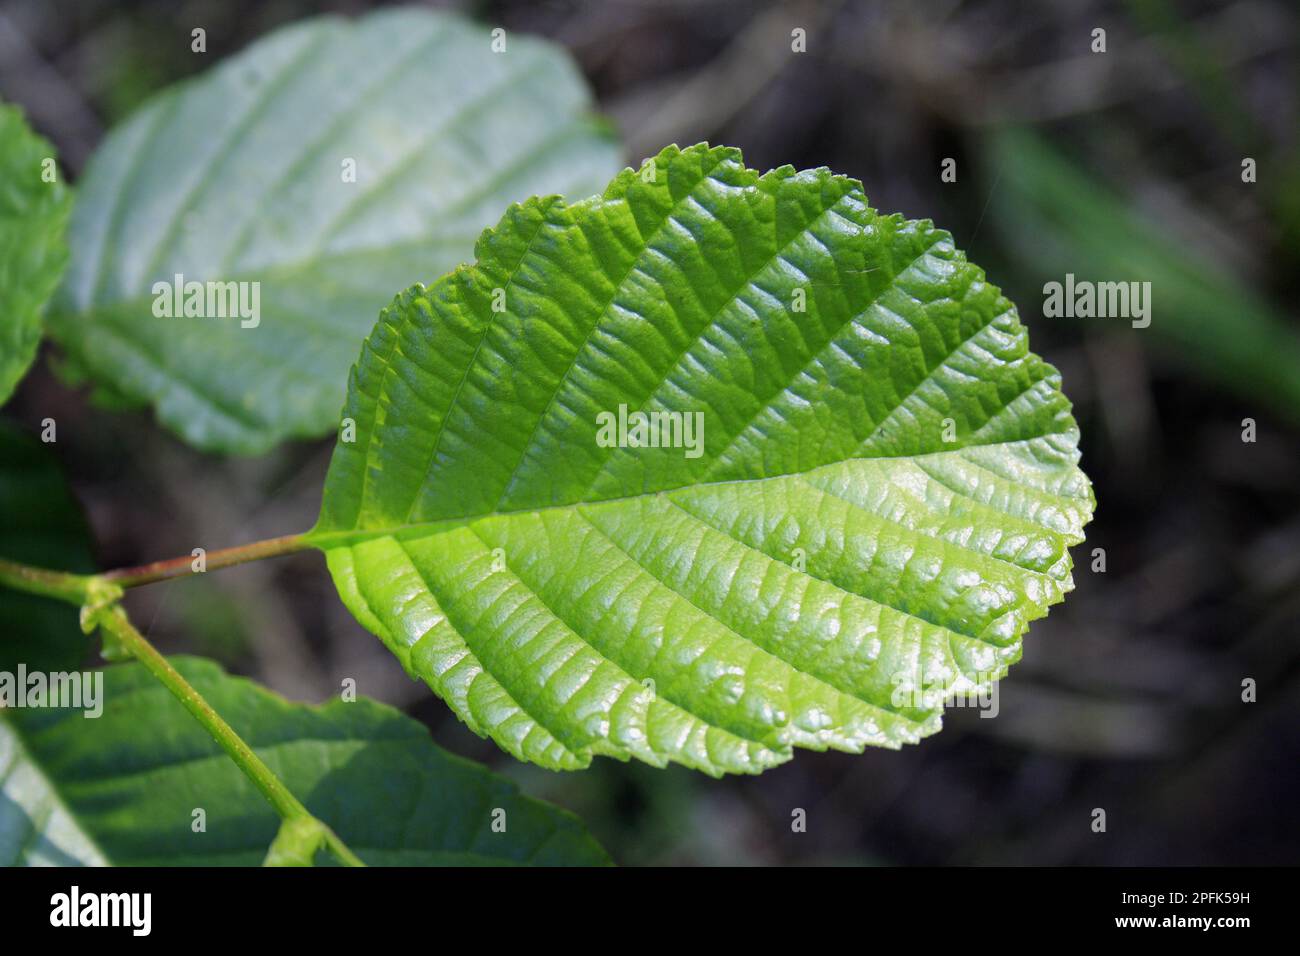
(342, 537)
(306, 266)
(233, 138)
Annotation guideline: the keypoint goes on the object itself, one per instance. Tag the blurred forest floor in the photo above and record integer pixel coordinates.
(1124, 164)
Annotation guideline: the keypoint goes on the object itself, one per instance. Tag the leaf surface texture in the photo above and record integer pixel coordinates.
(824, 574)
(241, 176)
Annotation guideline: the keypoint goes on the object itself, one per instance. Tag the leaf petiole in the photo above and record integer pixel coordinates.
(73, 588)
(301, 834)
(224, 558)
(103, 588)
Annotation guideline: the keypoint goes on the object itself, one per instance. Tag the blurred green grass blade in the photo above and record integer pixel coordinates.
(1058, 219)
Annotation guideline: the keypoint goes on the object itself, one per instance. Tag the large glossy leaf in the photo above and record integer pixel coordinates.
(33, 214)
(836, 562)
(40, 524)
(240, 175)
(122, 788)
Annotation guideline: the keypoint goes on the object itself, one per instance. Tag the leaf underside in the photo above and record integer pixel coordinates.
(122, 788)
(825, 574)
(239, 176)
(33, 215)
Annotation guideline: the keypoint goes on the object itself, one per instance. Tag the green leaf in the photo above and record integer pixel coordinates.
(33, 215)
(824, 574)
(40, 524)
(122, 788)
(239, 176)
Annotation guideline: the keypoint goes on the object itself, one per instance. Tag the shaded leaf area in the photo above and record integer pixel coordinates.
(123, 788)
(883, 498)
(330, 163)
(40, 524)
(33, 216)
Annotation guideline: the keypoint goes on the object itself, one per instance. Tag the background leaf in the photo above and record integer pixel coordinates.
(238, 176)
(40, 524)
(825, 574)
(121, 788)
(33, 215)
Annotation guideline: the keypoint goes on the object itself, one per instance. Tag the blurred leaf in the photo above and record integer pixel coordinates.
(1060, 220)
(215, 620)
(538, 577)
(242, 175)
(33, 216)
(41, 524)
(123, 787)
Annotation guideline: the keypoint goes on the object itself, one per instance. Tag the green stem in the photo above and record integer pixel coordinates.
(114, 620)
(223, 558)
(301, 834)
(73, 588)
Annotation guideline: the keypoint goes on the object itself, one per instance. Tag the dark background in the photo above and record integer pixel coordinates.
(1124, 164)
